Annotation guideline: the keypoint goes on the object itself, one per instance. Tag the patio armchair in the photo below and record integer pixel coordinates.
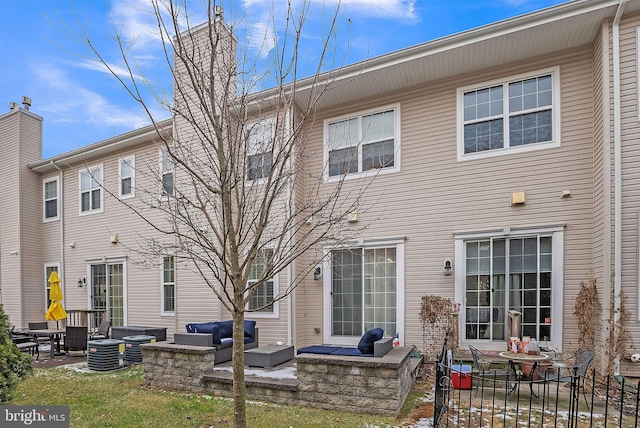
(103, 331)
(40, 338)
(571, 370)
(489, 368)
(75, 339)
(24, 342)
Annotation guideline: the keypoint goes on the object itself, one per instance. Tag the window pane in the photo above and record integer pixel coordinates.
(343, 134)
(85, 202)
(125, 169)
(125, 186)
(377, 155)
(95, 199)
(378, 126)
(483, 136)
(343, 161)
(51, 189)
(258, 166)
(51, 209)
(167, 184)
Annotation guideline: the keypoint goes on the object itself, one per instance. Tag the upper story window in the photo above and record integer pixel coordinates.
(266, 290)
(168, 284)
(50, 193)
(91, 190)
(126, 166)
(166, 173)
(518, 114)
(260, 137)
(368, 141)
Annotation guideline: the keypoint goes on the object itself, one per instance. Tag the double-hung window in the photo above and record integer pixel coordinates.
(368, 141)
(168, 284)
(91, 190)
(518, 114)
(127, 166)
(261, 302)
(260, 139)
(50, 191)
(166, 173)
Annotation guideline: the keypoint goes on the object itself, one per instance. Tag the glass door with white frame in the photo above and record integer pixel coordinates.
(107, 290)
(508, 273)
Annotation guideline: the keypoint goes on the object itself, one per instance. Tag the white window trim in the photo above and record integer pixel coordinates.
(398, 243)
(91, 211)
(131, 160)
(555, 109)
(557, 278)
(46, 281)
(163, 195)
(276, 303)
(164, 312)
(248, 153)
(44, 200)
(362, 174)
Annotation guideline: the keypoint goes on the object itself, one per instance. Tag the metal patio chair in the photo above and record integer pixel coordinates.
(103, 331)
(572, 370)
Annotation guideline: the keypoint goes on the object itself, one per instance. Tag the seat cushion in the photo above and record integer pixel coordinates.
(352, 352)
(225, 328)
(368, 339)
(249, 329)
(205, 327)
(318, 349)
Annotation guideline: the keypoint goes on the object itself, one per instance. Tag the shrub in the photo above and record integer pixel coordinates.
(14, 365)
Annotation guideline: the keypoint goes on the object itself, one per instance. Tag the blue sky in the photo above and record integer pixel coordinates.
(42, 55)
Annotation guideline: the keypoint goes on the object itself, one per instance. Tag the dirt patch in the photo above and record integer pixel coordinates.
(45, 361)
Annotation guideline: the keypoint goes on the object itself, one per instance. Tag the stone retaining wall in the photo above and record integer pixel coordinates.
(176, 367)
(355, 384)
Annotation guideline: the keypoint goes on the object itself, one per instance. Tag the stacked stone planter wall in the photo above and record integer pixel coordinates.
(176, 367)
(355, 384)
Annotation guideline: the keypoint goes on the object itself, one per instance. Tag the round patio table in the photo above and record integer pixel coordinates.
(523, 357)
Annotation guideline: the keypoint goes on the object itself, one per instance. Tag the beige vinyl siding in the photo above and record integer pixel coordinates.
(630, 176)
(434, 196)
(602, 177)
(22, 289)
(10, 269)
(31, 218)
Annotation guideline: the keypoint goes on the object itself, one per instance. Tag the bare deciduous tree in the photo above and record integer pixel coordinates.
(240, 198)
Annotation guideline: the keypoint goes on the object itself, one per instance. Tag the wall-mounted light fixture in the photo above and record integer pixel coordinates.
(72, 244)
(13, 253)
(447, 268)
(317, 273)
(81, 282)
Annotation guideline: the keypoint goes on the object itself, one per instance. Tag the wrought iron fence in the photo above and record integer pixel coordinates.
(493, 401)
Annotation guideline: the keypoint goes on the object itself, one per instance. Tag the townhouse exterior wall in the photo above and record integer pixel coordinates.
(428, 210)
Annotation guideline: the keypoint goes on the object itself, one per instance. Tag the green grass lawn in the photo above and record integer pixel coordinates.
(120, 399)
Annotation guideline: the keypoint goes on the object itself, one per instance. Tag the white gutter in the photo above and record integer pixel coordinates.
(61, 214)
(617, 160)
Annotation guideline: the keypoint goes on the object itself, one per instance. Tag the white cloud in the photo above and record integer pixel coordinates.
(68, 101)
(120, 71)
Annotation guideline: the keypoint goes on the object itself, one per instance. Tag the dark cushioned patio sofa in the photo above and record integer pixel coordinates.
(222, 332)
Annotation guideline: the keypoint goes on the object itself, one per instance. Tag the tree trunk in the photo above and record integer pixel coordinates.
(239, 389)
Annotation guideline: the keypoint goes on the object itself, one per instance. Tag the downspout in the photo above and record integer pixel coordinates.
(289, 269)
(61, 213)
(617, 160)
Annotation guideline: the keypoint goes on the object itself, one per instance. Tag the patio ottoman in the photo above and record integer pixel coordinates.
(268, 356)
